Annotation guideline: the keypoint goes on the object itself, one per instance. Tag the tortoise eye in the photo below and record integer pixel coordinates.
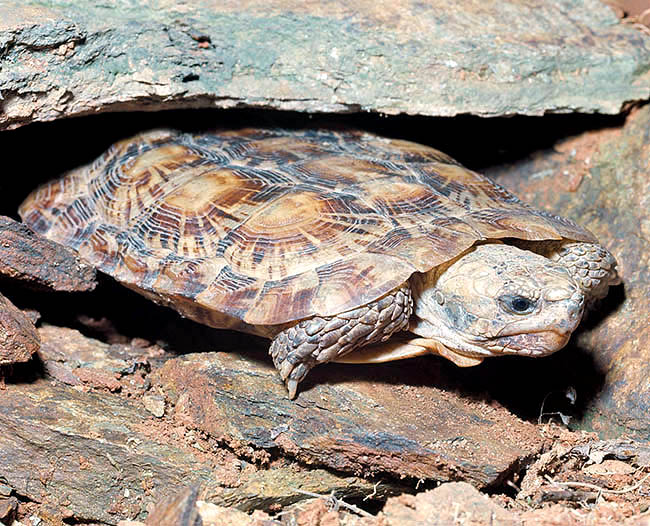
(517, 304)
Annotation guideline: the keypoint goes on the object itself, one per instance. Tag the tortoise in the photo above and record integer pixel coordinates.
(328, 241)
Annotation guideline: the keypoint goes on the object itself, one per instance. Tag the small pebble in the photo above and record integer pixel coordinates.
(155, 404)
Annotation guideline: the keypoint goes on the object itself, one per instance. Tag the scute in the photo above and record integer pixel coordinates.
(260, 227)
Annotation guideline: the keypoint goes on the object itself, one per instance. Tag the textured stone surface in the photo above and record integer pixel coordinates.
(95, 454)
(450, 504)
(79, 446)
(601, 179)
(18, 337)
(61, 58)
(29, 257)
(455, 503)
(560, 474)
(185, 510)
(345, 421)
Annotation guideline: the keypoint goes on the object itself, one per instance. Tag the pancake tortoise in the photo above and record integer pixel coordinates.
(326, 242)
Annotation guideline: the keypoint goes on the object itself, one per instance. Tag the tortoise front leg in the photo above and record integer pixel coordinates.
(323, 338)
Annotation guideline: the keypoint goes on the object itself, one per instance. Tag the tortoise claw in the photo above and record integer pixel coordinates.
(291, 375)
(296, 375)
(292, 387)
(285, 370)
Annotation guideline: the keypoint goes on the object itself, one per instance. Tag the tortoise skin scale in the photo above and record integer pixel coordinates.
(255, 229)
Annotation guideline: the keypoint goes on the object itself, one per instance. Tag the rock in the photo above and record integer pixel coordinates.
(29, 257)
(450, 504)
(73, 359)
(347, 422)
(212, 515)
(18, 337)
(430, 58)
(185, 510)
(179, 510)
(600, 179)
(609, 467)
(638, 453)
(60, 442)
(154, 404)
(573, 468)
(327, 511)
(8, 509)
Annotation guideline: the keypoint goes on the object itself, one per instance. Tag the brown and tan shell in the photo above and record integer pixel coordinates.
(255, 228)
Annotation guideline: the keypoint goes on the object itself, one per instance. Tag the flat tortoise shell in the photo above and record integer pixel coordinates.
(279, 232)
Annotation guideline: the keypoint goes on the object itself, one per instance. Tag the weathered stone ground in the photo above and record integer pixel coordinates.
(126, 411)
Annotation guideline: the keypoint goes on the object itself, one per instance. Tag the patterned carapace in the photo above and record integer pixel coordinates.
(253, 229)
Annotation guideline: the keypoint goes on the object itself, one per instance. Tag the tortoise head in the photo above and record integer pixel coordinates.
(496, 299)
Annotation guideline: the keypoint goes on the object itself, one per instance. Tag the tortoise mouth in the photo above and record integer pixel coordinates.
(533, 343)
(540, 342)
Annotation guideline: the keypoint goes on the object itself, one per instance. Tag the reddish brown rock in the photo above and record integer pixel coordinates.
(73, 359)
(18, 337)
(447, 505)
(61, 438)
(185, 509)
(177, 510)
(8, 509)
(29, 257)
(348, 422)
(450, 504)
(328, 510)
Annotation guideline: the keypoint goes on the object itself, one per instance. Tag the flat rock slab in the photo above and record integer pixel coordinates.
(90, 450)
(348, 422)
(29, 257)
(62, 58)
(600, 179)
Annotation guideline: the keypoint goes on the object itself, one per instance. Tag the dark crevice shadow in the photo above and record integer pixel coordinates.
(519, 384)
(23, 373)
(603, 309)
(114, 314)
